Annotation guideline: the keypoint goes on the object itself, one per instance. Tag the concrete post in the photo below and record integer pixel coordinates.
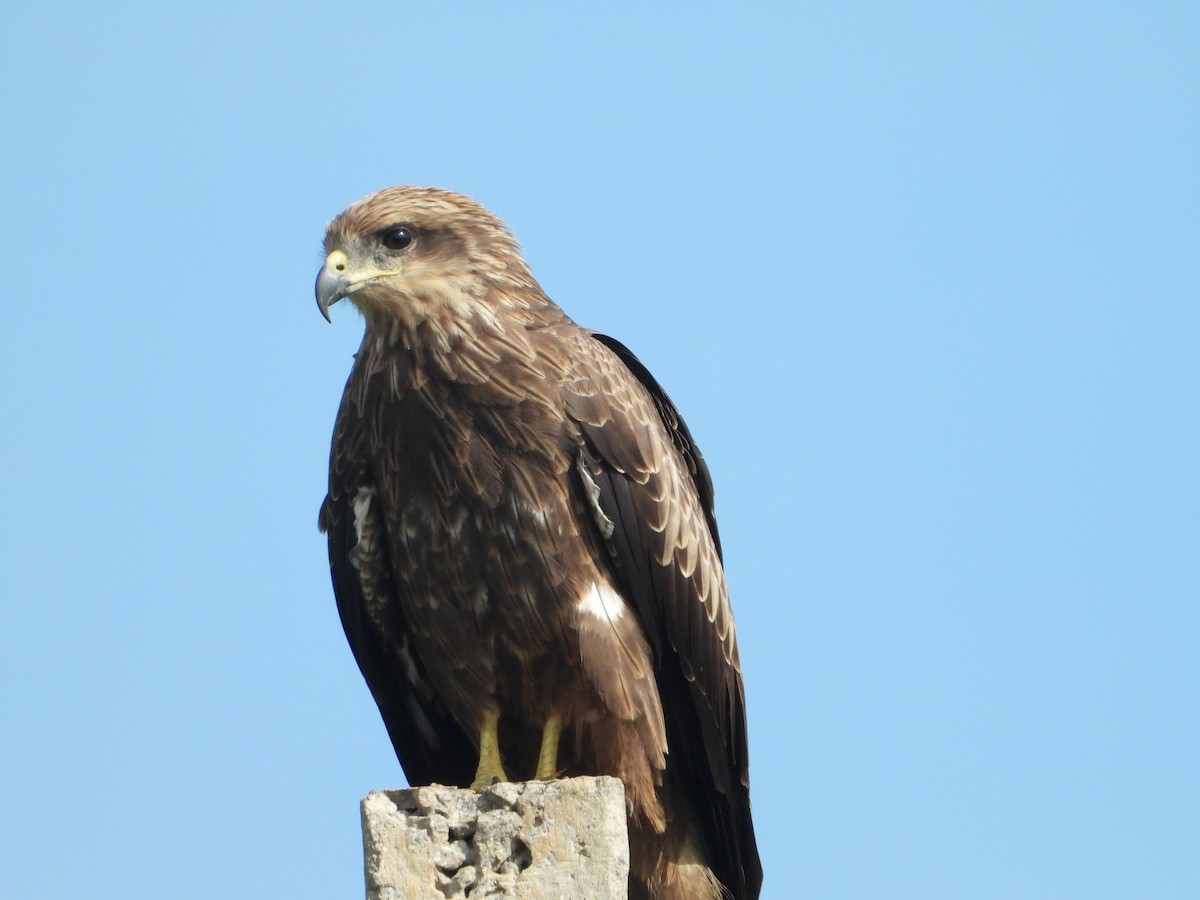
(537, 840)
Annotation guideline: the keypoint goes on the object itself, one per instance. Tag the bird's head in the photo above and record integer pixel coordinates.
(404, 253)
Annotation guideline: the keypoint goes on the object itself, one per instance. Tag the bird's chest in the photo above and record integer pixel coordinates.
(443, 446)
(479, 504)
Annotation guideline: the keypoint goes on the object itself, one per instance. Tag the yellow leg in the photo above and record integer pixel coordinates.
(547, 767)
(490, 768)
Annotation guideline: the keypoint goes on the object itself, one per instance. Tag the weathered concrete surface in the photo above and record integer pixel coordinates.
(537, 840)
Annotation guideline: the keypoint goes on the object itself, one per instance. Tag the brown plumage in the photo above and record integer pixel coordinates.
(523, 547)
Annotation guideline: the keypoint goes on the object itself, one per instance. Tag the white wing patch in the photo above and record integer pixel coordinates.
(603, 522)
(362, 506)
(602, 602)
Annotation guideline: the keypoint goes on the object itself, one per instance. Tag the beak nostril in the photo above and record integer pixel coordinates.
(341, 267)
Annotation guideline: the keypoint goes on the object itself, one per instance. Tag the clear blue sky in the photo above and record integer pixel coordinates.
(923, 278)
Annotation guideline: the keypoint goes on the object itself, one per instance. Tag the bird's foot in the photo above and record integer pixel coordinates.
(547, 766)
(491, 769)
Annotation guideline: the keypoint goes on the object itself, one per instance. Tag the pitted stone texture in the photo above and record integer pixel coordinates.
(536, 840)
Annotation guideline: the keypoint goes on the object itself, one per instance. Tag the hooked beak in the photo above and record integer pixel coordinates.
(332, 286)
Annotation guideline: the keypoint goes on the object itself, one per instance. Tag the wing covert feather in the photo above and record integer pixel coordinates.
(656, 489)
(428, 741)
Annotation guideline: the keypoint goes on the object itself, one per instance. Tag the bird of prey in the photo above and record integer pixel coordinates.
(522, 544)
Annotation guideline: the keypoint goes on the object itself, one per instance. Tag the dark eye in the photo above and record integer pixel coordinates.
(397, 238)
